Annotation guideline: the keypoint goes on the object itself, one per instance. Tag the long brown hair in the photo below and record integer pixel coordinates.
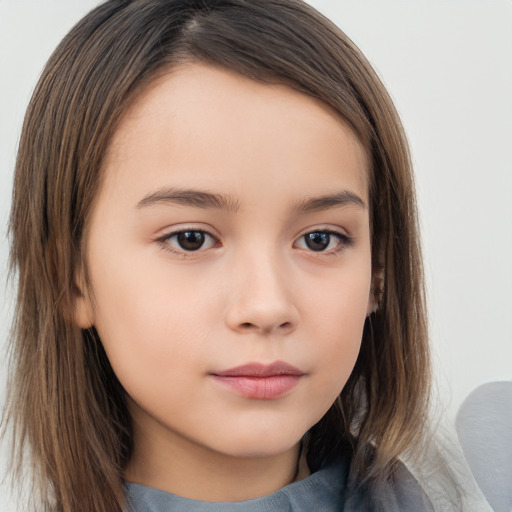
(65, 404)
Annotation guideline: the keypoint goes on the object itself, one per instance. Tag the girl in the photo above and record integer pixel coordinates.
(220, 297)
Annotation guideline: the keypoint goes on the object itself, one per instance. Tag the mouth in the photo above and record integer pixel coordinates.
(259, 381)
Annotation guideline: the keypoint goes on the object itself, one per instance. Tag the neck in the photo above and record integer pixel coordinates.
(172, 463)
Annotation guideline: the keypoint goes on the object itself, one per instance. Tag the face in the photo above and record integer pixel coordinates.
(229, 260)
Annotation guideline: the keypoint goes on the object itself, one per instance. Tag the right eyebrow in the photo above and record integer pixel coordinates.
(189, 197)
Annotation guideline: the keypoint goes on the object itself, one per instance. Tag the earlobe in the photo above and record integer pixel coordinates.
(373, 306)
(376, 292)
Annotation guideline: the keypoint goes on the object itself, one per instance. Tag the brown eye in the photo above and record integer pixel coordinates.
(189, 240)
(324, 241)
(317, 241)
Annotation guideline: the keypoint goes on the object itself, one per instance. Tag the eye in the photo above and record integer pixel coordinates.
(189, 240)
(323, 241)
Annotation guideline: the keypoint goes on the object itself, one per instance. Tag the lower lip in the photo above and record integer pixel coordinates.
(262, 388)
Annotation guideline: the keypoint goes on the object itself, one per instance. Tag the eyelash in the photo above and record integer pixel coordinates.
(344, 241)
(166, 246)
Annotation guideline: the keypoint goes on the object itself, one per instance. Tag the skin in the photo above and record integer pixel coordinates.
(254, 292)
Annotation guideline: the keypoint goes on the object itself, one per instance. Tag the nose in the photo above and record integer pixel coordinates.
(262, 299)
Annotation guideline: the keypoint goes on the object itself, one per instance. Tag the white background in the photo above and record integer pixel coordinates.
(447, 64)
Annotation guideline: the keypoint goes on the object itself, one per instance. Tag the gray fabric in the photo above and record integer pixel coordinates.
(321, 492)
(327, 490)
(484, 427)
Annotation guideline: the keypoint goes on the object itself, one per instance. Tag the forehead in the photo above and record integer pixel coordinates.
(196, 113)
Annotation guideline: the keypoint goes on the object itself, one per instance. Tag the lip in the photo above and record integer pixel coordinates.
(260, 381)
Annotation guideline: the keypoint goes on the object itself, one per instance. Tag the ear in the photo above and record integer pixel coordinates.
(83, 311)
(376, 291)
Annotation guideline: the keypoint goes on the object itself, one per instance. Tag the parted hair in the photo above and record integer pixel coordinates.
(67, 410)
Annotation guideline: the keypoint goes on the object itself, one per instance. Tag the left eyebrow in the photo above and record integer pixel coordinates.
(343, 198)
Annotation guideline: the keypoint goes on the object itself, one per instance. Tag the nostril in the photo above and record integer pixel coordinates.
(267, 329)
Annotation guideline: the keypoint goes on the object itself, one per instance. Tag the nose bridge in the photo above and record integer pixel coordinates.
(262, 296)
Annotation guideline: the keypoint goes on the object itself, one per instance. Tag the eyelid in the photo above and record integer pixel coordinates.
(163, 239)
(344, 239)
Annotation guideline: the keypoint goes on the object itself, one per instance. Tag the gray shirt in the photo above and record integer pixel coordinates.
(330, 489)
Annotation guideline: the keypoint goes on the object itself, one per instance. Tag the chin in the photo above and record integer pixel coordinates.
(259, 444)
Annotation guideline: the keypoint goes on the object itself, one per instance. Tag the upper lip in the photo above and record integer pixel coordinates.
(260, 370)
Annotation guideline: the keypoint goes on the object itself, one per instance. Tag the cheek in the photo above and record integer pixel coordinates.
(145, 316)
(338, 316)
(337, 358)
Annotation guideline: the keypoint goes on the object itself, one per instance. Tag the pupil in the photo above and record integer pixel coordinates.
(191, 240)
(317, 241)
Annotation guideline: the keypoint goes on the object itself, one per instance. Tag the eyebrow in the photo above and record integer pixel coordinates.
(203, 199)
(343, 198)
(189, 197)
